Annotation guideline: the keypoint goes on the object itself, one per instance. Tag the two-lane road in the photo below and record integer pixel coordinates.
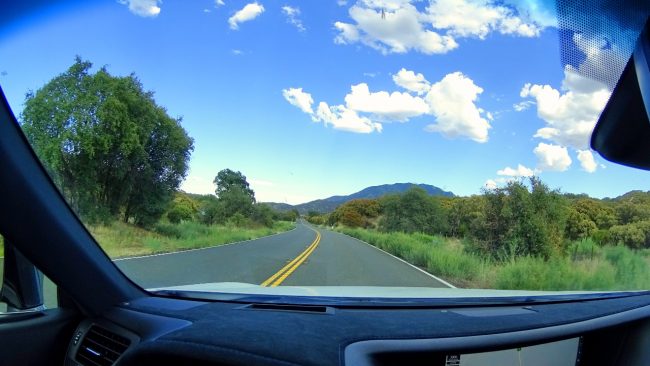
(305, 256)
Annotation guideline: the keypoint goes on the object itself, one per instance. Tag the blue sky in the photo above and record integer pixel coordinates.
(312, 99)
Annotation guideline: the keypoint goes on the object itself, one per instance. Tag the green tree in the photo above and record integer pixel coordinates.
(630, 235)
(234, 193)
(519, 221)
(355, 213)
(413, 211)
(263, 214)
(464, 213)
(182, 208)
(579, 225)
(597, 211)
(227, 180)
(106, 143)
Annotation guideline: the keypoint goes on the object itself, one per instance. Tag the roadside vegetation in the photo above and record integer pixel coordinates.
(521, 236)
(119, 158)
(123, 240)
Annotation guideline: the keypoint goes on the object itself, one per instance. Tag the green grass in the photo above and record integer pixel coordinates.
(586, 266)
(124, 240)
(440, 256)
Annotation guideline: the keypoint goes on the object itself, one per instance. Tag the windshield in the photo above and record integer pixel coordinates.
(396, 146)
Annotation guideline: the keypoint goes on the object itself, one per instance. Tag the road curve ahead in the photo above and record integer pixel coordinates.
(305, 256)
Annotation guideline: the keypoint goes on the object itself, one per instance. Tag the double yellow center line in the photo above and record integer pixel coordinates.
(288, 269)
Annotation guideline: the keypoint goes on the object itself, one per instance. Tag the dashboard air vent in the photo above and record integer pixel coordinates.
(101, 347)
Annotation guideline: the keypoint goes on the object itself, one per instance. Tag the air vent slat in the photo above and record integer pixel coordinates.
(101, 347)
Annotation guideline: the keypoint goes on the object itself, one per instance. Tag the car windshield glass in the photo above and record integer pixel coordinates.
(380, 148)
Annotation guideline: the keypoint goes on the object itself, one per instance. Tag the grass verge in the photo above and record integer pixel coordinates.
(586, 266)
(123, 240)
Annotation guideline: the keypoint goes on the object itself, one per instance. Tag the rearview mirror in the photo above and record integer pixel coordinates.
(622, 134)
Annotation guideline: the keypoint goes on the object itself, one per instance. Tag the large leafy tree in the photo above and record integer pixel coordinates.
(234, 193)
(107, 144)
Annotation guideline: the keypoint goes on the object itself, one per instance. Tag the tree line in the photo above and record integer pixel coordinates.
(117, 155)
(523, 218)
(233, 202)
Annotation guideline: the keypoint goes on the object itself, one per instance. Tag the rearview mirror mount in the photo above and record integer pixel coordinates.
(622, 134)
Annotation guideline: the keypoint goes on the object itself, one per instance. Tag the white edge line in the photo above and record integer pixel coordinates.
(195, 249)
(399, 259)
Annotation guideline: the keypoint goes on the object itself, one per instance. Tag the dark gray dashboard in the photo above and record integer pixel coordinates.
(169, 331)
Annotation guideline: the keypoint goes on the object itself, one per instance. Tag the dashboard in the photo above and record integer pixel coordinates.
(167, 331)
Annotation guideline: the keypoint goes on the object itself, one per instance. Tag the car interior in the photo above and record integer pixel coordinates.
(103, 318)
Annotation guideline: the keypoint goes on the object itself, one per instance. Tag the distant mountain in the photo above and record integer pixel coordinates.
(331, 203)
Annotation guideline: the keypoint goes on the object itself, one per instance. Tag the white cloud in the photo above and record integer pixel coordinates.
(587, 161)
(247, 13)
(397, 26)
(522, 106)
(411, 81)
(342, 2)
(343, 118)
(395, 106)
(237, 52)
(520, 171)
(299, 98)
(570, 114)
(478, 18)
(143, 8)
(218, 3)
(293, 14)
(349, 33)
(490, 184)
(398, 31)
(452, 103)
(552, 157)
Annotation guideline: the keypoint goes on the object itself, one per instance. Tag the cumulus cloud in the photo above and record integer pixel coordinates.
(478, 18)
(397, 32)
(292, 14)
(397, 26)
(218, 3)
(452, 103)
(587, 161)
(411, 81)
(300, 99)
(247, 13)
(343, 118)
(571, 113)
(395, 106)
(552, 157)
(143, 8)
(520, 171)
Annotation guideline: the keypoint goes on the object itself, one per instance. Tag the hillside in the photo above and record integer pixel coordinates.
(329, 204)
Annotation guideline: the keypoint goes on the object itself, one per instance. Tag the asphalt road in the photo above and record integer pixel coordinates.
(291, 258)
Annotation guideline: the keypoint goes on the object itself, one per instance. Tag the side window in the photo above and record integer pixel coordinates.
(48, 287)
